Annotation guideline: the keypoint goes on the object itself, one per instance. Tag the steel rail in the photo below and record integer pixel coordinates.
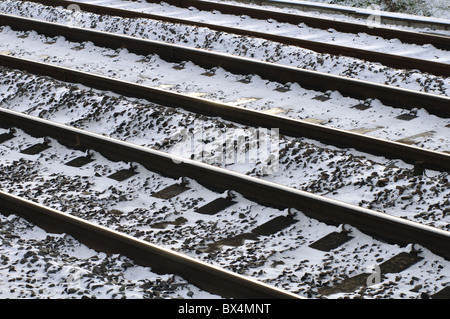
(161, 260)
(359, 13)
(439, 41)
(393, 96)
(286, 125)
(376, 224)
(391, 60)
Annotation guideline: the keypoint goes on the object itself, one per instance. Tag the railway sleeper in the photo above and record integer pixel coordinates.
(331, 241)
(396, 264)
(171, 191)
(267, 194)
(268, 228)
(36, 148)
(444, 293)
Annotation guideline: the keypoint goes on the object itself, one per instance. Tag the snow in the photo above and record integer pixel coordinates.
(296, 103)
(340, 174)
(37, 264)
(136, 211)
(435, 10)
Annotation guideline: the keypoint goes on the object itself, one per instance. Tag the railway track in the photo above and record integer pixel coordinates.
(276, 200)
(363, 105)
(381, 226)
(287, 126)
(39, 264)
(385, 18)
(391, 60)
(213, 279)
(315, 22)
(161, 127)
(393, 96)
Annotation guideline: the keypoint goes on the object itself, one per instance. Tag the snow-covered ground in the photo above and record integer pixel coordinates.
(283, 259)
(290, 100)
(37, 264)
(343, 174)
(428, 8)
(304, 164)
